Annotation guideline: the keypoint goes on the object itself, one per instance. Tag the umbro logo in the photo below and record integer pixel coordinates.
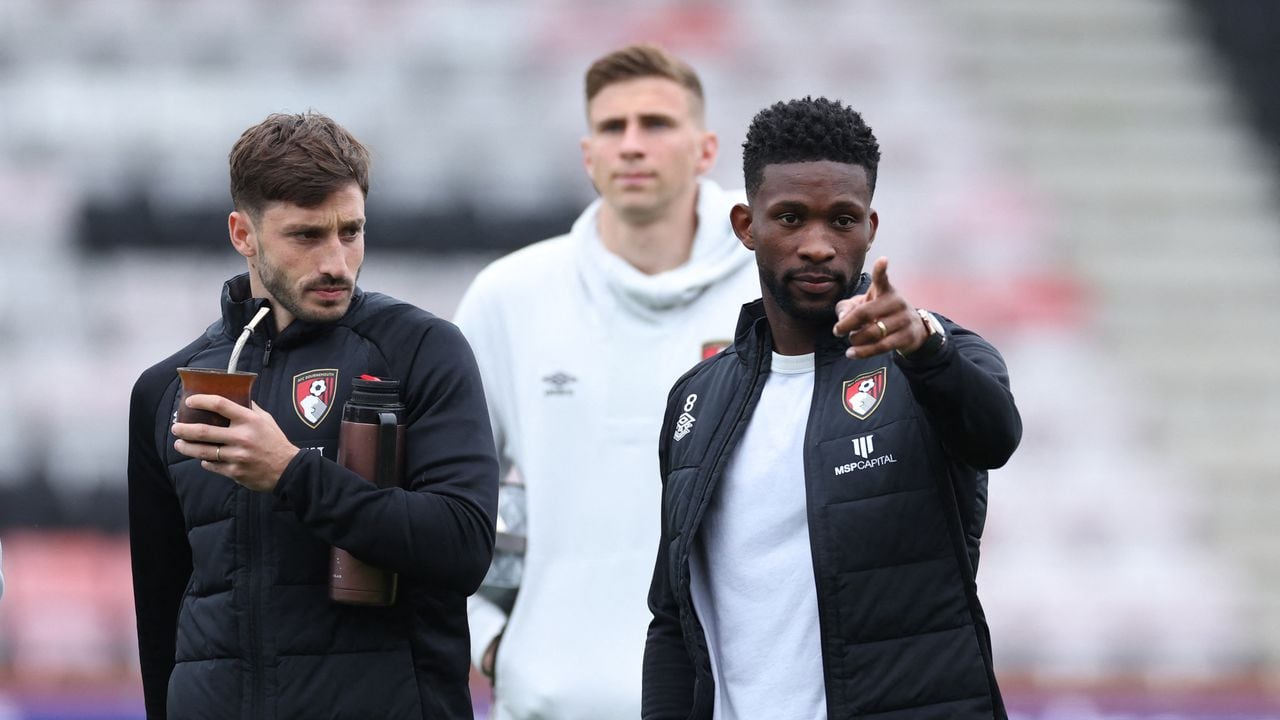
(558, 383)
(684, 423)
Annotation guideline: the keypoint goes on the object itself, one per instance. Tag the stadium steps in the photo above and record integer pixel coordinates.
(1165, 206)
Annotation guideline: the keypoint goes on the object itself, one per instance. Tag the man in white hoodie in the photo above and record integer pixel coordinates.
(579, 338)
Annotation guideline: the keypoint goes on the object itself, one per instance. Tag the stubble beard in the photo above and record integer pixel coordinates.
(277, 286)
(818, 317)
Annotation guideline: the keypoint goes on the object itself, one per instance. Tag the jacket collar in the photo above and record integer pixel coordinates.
(239, 306)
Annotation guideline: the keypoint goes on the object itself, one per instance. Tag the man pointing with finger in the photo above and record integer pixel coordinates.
(824, 480)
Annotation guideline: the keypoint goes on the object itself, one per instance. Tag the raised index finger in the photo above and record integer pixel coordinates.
(880, 276)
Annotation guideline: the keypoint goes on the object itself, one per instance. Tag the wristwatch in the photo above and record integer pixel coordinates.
(934, 342)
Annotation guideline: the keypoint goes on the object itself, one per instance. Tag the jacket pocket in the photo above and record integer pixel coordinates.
(878, 461)
(348, 686)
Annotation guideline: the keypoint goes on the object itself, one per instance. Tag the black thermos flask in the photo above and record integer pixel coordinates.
(371, 444)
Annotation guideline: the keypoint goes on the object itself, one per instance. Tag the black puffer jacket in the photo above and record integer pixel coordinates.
(894, 534)
(234, 619)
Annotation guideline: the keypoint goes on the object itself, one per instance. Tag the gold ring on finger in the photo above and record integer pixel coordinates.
(884, 331)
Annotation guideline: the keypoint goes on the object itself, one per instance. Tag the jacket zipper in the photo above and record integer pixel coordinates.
(258, 529)
(815, 408)
(705, 497)
(255, 590)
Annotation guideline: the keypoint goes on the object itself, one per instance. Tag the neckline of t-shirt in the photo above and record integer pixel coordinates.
(792, 364)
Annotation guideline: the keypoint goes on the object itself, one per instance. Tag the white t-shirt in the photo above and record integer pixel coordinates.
(752, 567)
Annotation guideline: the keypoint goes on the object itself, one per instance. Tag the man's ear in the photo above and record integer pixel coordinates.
(588, 158)
(874, 219)
(708, 148)
(740, 218)
(240, 227)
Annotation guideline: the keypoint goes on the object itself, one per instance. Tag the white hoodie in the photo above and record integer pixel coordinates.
(578, 351)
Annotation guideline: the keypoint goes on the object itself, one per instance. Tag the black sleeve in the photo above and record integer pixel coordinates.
(158, 545)
(440, 527)
(964, 389)
(668, 672)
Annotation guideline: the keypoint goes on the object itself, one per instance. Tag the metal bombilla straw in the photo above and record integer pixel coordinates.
(244, 338)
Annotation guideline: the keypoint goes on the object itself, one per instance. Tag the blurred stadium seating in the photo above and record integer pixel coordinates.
(1077, 181)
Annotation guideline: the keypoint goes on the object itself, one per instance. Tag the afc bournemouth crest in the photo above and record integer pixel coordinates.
(711, 347)
(861, 395)
(313, 393)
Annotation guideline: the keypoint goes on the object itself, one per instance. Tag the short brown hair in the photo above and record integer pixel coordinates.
(295, 158)
(641, 61)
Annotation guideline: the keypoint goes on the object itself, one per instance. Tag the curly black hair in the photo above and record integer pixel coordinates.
(808, 130)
